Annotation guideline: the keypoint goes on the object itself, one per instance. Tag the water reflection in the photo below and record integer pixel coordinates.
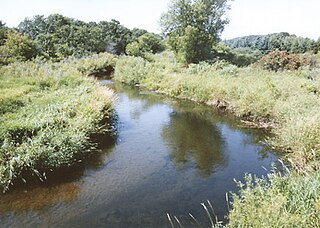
(192, 138)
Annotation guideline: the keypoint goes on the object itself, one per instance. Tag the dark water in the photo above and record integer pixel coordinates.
(169, 156)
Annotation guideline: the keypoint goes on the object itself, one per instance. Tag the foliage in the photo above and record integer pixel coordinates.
(48, 112)
(16, 47)
(287, 200)
(239, 56)
(115, 36)
(245, 56)
(282, 60)
(147, 43)
(58, 36)
(278, 41)
(102, 64)
(192, 27)
(3, 33)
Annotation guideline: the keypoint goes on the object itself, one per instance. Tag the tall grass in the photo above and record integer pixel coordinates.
(47, 113)
(289, 200)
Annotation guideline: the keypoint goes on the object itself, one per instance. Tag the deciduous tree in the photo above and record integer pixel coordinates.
(192, 27)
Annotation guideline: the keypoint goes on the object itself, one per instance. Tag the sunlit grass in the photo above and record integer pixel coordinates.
(47, 113)
(289, 200)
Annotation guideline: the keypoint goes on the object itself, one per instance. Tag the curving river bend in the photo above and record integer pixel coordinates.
(168, 157)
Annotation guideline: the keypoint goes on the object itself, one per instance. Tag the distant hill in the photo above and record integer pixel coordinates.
(281, 41)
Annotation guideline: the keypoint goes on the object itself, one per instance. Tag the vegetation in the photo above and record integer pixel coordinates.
(279, 201)
(48, 112)
(282, 60)
(16, 47)
(193, 27)
(239, 56)
(278, 41)
(57, 36)
(145, 44)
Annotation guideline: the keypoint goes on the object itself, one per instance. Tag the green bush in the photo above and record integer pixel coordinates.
(147, 43)
(16, 47)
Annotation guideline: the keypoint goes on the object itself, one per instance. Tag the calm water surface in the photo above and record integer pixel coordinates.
(168, 157)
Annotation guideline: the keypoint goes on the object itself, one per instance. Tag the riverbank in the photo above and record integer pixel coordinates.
(288, 102)
(48, 112)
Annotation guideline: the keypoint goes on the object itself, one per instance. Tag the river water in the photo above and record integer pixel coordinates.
(168, 156)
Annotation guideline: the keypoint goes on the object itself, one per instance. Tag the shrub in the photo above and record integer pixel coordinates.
(147, 43)
(282, 60)
(16, 47)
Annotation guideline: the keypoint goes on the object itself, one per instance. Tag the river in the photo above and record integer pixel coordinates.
(168, 156)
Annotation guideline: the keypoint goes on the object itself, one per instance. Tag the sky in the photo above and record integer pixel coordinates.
(247, 17)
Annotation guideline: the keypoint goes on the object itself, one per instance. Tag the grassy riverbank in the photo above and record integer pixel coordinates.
(47, 113)
(286, 102)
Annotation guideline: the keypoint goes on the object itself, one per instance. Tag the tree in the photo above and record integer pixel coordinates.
(192, 27)
(116, 36)
(17, 47)
(147, 43)
(3, 32)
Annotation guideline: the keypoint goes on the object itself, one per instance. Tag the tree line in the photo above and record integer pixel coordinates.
(56, 37)
(278, 41)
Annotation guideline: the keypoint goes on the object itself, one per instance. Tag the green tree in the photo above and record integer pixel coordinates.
(192, 27)
(147, 43)
(17, 47)
(116, 36)
(3, 32)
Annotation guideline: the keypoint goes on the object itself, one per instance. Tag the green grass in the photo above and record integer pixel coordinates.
(47, 113)
(288, 103)
(279, 201)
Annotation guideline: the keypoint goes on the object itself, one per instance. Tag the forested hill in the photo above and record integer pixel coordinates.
(282, 41)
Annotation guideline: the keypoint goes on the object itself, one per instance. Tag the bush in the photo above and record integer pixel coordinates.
(282, 60)
(147, 43)
(16, 47)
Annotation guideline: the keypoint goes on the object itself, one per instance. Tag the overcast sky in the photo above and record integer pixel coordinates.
(247, 17)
